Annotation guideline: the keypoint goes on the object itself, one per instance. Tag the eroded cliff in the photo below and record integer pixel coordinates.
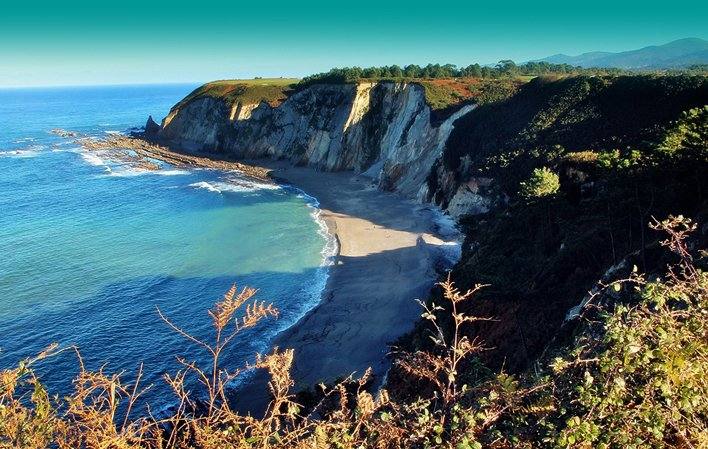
(382, 130)
(624, 149)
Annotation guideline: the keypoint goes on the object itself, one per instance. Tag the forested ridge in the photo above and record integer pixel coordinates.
(505, 68)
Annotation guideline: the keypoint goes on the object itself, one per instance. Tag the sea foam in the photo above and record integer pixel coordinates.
(316, 289)
(239, 185)
(126, 171)
(92, 158)
(446, 228)
(18, 153)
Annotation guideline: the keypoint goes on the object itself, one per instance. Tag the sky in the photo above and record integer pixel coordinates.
(127, 42)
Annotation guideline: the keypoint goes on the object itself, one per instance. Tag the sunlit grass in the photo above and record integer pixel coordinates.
(271, 90)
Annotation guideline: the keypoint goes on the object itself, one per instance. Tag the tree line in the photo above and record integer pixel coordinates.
(505, 68)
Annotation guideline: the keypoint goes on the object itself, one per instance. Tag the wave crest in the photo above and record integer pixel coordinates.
(234, 186)
(21, 153)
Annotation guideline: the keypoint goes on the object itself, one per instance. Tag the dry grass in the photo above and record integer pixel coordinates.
(100, 413)
(441, 368)
(501, 412)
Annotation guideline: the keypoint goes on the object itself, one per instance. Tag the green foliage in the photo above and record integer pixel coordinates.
(505, 68)
(640, 381)
(604, 139)
(491, 91)
(542, 183)
(439, 96)
(445, 94)
(508, 139)
(688, 133)
(621, 160)
(633, 377)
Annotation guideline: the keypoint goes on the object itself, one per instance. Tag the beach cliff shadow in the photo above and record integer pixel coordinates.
(370, 302)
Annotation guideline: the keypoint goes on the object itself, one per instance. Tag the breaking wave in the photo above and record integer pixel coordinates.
(234, 186)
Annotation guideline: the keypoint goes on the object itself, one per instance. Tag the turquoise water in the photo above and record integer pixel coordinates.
(89, 248)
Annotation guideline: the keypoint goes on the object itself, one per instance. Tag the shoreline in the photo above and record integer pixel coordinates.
(146, 152)
(388, 255)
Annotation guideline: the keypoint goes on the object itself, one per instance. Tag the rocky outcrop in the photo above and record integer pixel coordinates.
(382, 130)
(151, 128)
(471, 198)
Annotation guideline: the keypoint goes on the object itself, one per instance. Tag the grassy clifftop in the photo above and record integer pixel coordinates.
(442, 95)
(271, 90)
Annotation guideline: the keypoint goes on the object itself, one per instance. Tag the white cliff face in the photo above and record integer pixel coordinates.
(382, 130)
(360, 107)
(242, 111)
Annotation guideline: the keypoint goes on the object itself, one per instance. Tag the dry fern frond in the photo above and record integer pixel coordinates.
(224, 310)
(255, 312)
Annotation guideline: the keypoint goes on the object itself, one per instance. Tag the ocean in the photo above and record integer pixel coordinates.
(90, 248)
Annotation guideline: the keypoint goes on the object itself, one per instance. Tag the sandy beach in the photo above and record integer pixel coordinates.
(390, 253)
(389, 256)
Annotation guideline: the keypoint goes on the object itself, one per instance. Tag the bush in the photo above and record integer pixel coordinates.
(641, 381)
(542, 183)
(688, 134)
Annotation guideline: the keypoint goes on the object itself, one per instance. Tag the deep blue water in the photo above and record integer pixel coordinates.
(89, 248)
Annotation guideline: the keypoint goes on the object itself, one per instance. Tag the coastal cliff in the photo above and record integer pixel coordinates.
(383, 130)
(563, 323)
(618, 150)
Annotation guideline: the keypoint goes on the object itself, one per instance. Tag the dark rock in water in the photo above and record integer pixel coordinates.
(151, 128)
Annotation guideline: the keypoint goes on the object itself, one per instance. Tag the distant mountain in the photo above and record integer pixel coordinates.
(676, 54)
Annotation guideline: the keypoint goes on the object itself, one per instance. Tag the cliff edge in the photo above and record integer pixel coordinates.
(381, 129)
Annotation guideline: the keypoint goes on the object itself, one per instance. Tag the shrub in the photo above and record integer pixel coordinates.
(542, 183)
(688, 134)
(641, 381)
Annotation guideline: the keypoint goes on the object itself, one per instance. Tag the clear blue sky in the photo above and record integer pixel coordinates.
(110, 42)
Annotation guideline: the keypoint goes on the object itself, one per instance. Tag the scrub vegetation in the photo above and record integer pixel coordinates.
(633, 377)
(574, 170)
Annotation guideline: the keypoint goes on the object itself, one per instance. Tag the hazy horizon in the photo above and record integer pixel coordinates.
(146, 43)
